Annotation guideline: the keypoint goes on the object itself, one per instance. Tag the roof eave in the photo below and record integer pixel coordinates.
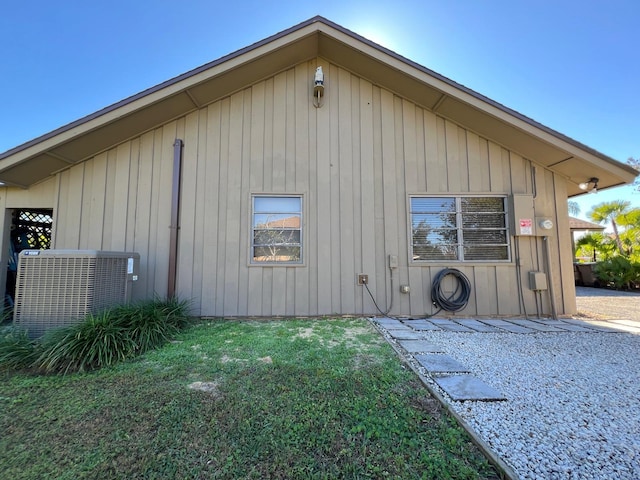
(317, 37)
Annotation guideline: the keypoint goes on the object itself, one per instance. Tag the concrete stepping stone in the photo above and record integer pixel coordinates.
(592, 325)
(384, 321)
(391, 324)
(440, 364)
(423, 325)
(468, 387)
(566, 326)
(405, 334)
(477, 326)
(416, 346)
(628, 323)
(509, 327)
(616, 326)
(450, 325)
(540, 327)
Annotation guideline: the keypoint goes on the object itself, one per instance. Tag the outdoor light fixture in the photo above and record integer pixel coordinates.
(590, 186)
(318, 87)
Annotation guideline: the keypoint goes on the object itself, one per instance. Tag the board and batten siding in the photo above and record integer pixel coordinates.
(355, 161)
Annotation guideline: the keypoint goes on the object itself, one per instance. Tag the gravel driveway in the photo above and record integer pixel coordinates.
(620, 310)
(603, 303)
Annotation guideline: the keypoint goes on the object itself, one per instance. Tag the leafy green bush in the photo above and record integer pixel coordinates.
(618, 272)
(17, 350)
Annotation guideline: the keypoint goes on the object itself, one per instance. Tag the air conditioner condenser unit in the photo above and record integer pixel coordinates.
(57, 288)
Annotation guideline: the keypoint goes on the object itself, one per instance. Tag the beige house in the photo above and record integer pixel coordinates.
(257, 185)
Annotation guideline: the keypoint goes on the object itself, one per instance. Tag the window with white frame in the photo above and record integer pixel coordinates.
(276, 229)
(459, 228)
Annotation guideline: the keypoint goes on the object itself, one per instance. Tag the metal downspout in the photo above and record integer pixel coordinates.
(175, 217)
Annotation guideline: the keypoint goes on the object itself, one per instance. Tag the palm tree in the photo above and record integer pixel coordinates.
(574, 207)
(609, 212)
(593, 244)
(630, 219)
(631, 236)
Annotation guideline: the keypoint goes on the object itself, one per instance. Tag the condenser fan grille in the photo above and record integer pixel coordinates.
(56, 289)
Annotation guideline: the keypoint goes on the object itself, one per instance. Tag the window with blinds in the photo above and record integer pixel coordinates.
(276, 229)
(452, 228)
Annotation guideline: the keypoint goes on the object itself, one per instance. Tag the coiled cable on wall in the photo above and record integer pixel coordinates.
(452, 303)
(458, 299)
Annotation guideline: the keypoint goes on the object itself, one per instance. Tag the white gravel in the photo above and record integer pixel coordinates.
(573, 408)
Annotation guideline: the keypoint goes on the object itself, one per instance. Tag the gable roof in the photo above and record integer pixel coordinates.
(42, 157)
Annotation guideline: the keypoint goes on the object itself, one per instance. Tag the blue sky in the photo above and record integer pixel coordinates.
(571, 65)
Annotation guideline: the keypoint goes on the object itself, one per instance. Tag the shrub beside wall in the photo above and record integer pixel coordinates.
(98, 341)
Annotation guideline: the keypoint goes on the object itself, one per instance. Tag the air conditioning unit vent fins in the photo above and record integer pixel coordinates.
(56, 288)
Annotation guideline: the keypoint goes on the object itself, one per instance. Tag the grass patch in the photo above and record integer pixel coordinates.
(230, 399)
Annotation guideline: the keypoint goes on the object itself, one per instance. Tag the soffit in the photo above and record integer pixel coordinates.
(44, 156)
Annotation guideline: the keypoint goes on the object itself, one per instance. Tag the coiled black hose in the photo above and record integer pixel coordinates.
(458, 299)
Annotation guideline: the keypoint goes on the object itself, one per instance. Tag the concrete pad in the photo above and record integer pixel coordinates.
(404, 328)
(440, 364)
(596, 325)
(629, 323)
(467, 387)
(566, 326)
(391, 324)
(405, 334)
(387, 322)
(540, 327)
(416, 346)
(422, 325)
(455, 327)
(477, 326)
(509, 327)
(450, 325)
(617, 326)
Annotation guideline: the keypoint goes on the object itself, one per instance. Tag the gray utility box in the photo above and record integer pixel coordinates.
(57, 288)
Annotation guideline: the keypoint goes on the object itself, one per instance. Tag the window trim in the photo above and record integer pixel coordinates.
(460, 247)
(302, 261)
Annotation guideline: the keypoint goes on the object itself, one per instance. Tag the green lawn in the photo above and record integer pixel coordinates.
(237, 399)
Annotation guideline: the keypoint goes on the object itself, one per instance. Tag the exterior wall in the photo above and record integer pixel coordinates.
(355, 160)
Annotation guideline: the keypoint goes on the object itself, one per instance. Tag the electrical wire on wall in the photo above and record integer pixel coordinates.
(453, 302)
(374, 300)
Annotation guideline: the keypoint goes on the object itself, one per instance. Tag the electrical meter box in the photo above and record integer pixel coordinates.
(523, 219)
(537, 281)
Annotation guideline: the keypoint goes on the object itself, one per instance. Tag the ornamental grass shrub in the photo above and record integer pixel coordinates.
(99, 340)
(150, 325)
(17, 350)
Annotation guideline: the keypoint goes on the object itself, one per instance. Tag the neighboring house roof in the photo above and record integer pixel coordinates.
(575, 224)
(42, 157)
(289, 222)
